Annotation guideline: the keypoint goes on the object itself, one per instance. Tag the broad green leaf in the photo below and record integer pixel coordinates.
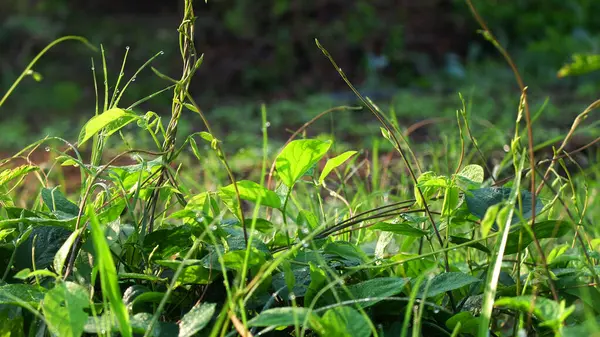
(333, 163)
(298, 157)
(45, 241)
(546, 310)
(468, 322)
(112, 119)
(27, 274)
(16, 294)
(294, 281)
(543, 230)
(377, 288)
(460, 240)
(479, 200)
(250, 191)
(581, 64)
(348, 253)
(345, 322)
(12, 321)
(7, 175)
(108, 274)
(318, 278)
(235, 259)
(63, 252)
(430, 184)
(403, 228)
(489, 219)
(39, 222)
(197, 275)
(446, 282)
(196, 319)
(472, 172)
(63, 309)
(57, 202)
(286, 316)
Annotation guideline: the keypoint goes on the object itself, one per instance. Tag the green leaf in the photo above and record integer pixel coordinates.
(16, 294)
(345, 321)
(298, 157)
(318, 278)
(108, 274)
(196, 319)
(12, 321)
(460, 240)
(446, 282)
(543, 230)
(349, 254)
(45, 241)
(379, 288)
(112, 119)
(250, 191)
(285, 316)
(468, 323)
(294, 281)
(473, 173)
(403, 228)
(7, 175)
(63, 309)
(479, 200)
(581, 64)
(333, 163)
(57, 202)
(489, 219)
(547, 310)
(430, 184)
(63, 252)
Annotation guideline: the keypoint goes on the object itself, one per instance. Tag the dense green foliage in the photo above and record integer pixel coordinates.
(166, 233)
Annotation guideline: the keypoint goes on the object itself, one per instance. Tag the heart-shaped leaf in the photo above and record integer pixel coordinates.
(298, 157)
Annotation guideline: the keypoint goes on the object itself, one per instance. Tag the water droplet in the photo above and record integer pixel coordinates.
(267, 124)
(305, 230)
(47, 149)
(304, 244)
(127, 47)
(436, 310)
(93, 68)
(133, 79)
(213, 228)
(161, 52)
(332, 193)
(292, 297)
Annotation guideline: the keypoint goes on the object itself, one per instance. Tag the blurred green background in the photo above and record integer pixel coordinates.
(413, 56)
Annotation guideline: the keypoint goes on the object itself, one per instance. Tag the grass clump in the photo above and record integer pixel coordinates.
(312, 238)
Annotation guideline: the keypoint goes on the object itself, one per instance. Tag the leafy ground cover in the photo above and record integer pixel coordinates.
(309, 237)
